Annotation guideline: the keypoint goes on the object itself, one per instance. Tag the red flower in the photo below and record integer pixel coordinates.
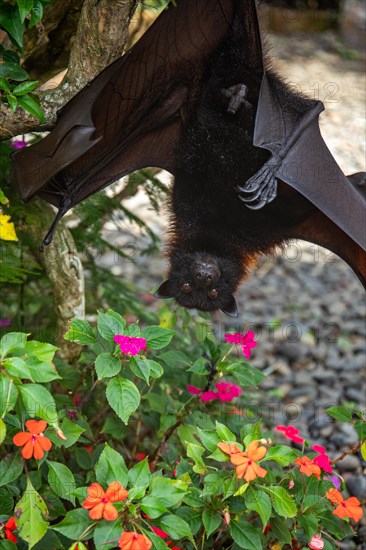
(133, 541)
(308, 467)
(349, 508)
(246, 341)
(140, 456)
(291, 433)
(34, 442)
(162, 534)
(194, 390)
(316, 543)
(10, 526)
(130, 345)
(99, 501)
(322, 459)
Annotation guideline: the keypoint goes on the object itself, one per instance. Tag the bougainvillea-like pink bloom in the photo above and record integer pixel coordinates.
(291, 433)
(209, 395)
(335, 480)
(316, 543)
(193, 390)
(322, 459)
(246, 341)
(227, 391)
(130, 345)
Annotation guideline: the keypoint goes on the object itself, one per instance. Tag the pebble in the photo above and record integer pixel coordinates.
(356, 486)
(350, 463)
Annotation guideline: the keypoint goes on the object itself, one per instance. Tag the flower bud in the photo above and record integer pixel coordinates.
(316, 543)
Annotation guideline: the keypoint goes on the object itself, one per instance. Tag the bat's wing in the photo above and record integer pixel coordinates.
(132, 114)
(301, 158)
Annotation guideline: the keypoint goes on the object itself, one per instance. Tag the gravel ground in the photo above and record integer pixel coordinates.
(306, 305)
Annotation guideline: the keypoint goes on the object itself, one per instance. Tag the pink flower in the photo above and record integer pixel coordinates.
(227, 391)
(18, 144)
(194, 390)
(246, 341)
(322, 459)
(130, 344)
(209, 395)
(316, 543)
(335, 480)
(291, 433)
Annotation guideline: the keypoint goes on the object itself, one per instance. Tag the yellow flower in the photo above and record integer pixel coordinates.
(7, 231)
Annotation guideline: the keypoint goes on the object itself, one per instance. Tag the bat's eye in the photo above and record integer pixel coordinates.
(213, 293)
(186, 287)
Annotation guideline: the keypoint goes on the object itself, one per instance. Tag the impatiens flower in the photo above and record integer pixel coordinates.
(349, 508)
(291, 433)
(316, 543)
(209, 395)
(308, 467)
(246, 341)
(229, 448)
(227, 391)
(193, 390)
(133, 541)
(322, 459)
(162, 534)
(99, 502)
(18, 144)
(335, 480)
(34, 442)
(246, 462)
(9, 528)
(130, 345)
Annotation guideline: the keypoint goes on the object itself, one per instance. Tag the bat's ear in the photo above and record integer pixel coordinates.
(163, 291)
(231, 308)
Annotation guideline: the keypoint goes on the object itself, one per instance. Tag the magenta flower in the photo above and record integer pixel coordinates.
(18, 144)
(209, 395)
(130, 345)
(335, 480)
(291, 433)
(322, 459)
(194, 390)
(227, 391)
(246, 341)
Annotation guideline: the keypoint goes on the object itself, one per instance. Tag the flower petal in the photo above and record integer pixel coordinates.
(36, 426)
(228, 448)
(110, 512)
(116, 492)
(95, 490)
(97, 511)
(334, 496)
(259, 471)
(27, 451)
(44, 442)
(38, 452)
(21, 438)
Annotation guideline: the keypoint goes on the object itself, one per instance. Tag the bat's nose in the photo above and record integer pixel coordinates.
(206, 273)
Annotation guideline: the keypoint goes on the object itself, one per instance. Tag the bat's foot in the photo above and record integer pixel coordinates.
(261, 188)
(237, 97)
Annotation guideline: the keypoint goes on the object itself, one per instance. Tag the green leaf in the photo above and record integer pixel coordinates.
(108, 325)
(12, 100)
(24, 7)
(123, 396)
(282, 501)
(281, 454)
(340, 413)
(61, 480)
(80, 332)
(309, 523)
(245, 374)
(11, 341)
(209, 439)
(4, 84)
(13, 71)
(360, 427)
(200, 367)
(157, 337)
(7, 545)
(111, 467)
(11, 21)
(224, 433)
(281, 531)
(245, 535)
(30, 512)
(74, 523)
(2, 430)
(176, 527)
(107, 531)
(25, 87)
(152, 506)
(146, 368)
(211, 521)
(174, 358)
(169, 491)
(158, 543)
(42, 351)
(138, 479)
(10, 469)
(40, 371)
(36, 16)
(17, 368)
(71, 431)
(31, 104)
(107, 365)
(8, 394)
(259, 501)
(196, 451)
(38, 401)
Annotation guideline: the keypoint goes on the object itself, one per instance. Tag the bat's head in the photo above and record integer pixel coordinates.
(202, 281)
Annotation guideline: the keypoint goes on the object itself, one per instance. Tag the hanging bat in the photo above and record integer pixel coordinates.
(196, 96)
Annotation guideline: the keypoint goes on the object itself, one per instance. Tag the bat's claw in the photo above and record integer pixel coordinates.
(260, 189)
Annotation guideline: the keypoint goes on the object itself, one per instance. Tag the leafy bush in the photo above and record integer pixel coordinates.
(134, 449)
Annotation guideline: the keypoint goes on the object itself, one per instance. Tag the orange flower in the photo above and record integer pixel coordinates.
(308, 467)
(349, 508)
(133, 541)
(246, 462)
(34, 442)
(99, 501)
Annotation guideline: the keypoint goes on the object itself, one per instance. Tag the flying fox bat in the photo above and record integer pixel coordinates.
(196, 96)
